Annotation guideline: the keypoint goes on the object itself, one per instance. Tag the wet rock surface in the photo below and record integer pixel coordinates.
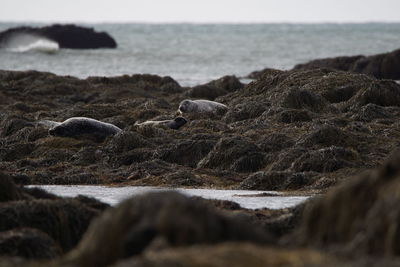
(67, 36)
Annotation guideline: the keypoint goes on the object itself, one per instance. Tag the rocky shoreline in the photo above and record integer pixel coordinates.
(303, 130)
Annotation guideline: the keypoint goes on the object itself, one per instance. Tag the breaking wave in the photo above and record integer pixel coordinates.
(21, 43)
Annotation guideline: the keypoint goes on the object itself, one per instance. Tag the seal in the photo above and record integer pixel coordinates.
(81, 126)
(174, 124)
(201, 106)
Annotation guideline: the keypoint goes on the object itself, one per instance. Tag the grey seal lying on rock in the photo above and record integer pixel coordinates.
(201, 106)
(80, 126)
(171, 124)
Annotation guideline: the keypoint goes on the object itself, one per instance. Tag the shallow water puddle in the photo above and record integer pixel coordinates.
(114, 195)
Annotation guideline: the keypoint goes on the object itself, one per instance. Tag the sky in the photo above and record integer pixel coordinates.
(200, 11)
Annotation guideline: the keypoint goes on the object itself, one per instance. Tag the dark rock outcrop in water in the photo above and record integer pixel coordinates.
(67, 36)
(381, 66)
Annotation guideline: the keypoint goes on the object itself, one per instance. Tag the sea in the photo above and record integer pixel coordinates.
(197, 53)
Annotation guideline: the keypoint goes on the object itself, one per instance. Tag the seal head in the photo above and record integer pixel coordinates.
(185, 106)
(177, 123)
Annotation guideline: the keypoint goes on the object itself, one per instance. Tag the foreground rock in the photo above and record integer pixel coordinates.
(159, 220)
(381, 66)
(67, 36)
(232, 254)
(35, 224)
(358, 217)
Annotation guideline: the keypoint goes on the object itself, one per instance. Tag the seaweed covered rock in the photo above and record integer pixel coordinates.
(11, 125)
(343, 63)
(315, 90)
(8, 190)
(64, 220)
(229, 83)
(276, 180)
(16, 151)
(325, 160)
(184, 178)
(126, 141)
(381, 66)
(383, 93)
(148, 82)
(292, 116)
(215, 88)
(360, 215)
(304, 99)
(328, 135)
(275, 123)
(372, 112)
(28, 243)
(167, 217)
(245, 110)
(234, 153)
(264, 72)
(187, 152)
(67, 36)
(275, 142)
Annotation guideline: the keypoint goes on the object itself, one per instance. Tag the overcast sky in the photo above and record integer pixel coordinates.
(200, 10)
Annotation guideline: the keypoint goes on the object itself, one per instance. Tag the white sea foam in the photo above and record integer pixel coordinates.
(114, 195)
(22, 43)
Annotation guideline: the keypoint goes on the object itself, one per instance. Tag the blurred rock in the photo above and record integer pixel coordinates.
(166, 218)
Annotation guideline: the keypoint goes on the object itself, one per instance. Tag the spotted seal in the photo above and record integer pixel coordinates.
(81, 126)
(174, 124)
(201, 106)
